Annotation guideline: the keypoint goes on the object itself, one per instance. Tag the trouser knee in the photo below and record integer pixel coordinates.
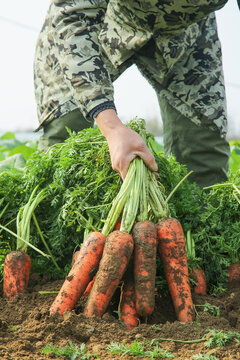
(56, 131)
(203, 151)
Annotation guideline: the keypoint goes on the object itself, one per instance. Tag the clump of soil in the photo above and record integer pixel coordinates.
(26, 326)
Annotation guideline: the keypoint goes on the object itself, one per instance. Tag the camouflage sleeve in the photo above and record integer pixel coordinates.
(76, 25)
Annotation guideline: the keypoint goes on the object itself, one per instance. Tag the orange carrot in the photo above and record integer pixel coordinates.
(16, 273)
(80, 274)
(128, 313)
(89, 288)
(75, 256)
(234, 272)
(118, 224)
(145, 249)
(116, 255)
(171, 245)
(198, 275)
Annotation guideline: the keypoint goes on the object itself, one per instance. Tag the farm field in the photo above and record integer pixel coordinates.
(51, 202)
(26, 328)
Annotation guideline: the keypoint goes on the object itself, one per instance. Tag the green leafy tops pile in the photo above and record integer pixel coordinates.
(80, 187)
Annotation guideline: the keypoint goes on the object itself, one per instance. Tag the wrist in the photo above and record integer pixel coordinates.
(99, 108)
(108, 121)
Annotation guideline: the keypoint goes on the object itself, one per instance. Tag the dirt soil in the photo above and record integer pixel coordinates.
(26, 326)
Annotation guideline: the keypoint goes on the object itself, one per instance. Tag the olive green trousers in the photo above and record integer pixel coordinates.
(56, 130)
(200, 149)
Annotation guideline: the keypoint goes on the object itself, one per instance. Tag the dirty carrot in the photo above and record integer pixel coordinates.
(234, 272)
(171, 246)
(80, 274)
(199, 277)
(197, 274)
(89, 288)
(116, 255)
(75, 256)
(17, 263)
(145, 249)
(118, 224)
(127, 308)
(17, 267)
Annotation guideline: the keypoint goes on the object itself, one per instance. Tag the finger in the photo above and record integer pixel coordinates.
(123, 171)
(120, 169)
(149, 159)
(124, 166)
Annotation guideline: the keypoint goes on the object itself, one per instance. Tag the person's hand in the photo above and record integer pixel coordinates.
(124, 143)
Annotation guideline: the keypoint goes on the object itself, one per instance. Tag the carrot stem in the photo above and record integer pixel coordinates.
(20, 238)
(177, 186)
(182, 341)
(4, 209)
(131, 206)
(44, 242)
(141, 196)
(190, 246)
(159, 204)
(143, 200)
(119, 201)
(24, 218)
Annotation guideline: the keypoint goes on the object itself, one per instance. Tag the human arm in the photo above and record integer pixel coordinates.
(75, 31)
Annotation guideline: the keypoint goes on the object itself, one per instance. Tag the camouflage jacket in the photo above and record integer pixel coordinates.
(82, 41)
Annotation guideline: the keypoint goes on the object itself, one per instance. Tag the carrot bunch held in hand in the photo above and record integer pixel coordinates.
(139, 205)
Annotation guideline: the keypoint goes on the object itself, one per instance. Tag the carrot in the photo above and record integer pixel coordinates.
(128, 313)
(75, 256)
(89, 288)
(171, 246)
(16, 273)
(116, 255)
(80, 274)
(234, 272)
(118, 224)
(145, 249)
(198, 275)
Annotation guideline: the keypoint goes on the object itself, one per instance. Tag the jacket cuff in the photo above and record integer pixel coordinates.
(104, 106)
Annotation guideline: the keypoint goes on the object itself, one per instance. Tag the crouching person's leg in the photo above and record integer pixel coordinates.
(55, 131)
(202, 150)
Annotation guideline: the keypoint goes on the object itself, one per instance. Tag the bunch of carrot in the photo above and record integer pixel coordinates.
(128, 255)
(17, 263)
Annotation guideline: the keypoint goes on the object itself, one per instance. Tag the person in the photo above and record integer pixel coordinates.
(84, 45)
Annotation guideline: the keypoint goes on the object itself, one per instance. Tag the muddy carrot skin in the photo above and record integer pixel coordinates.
(16, 273)
(75, 256)
(128, 313)
(234, 272)
(80, 274)
(198, 275)
(171, 246)
(145, 249)
(89, 288)
(116, 255)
